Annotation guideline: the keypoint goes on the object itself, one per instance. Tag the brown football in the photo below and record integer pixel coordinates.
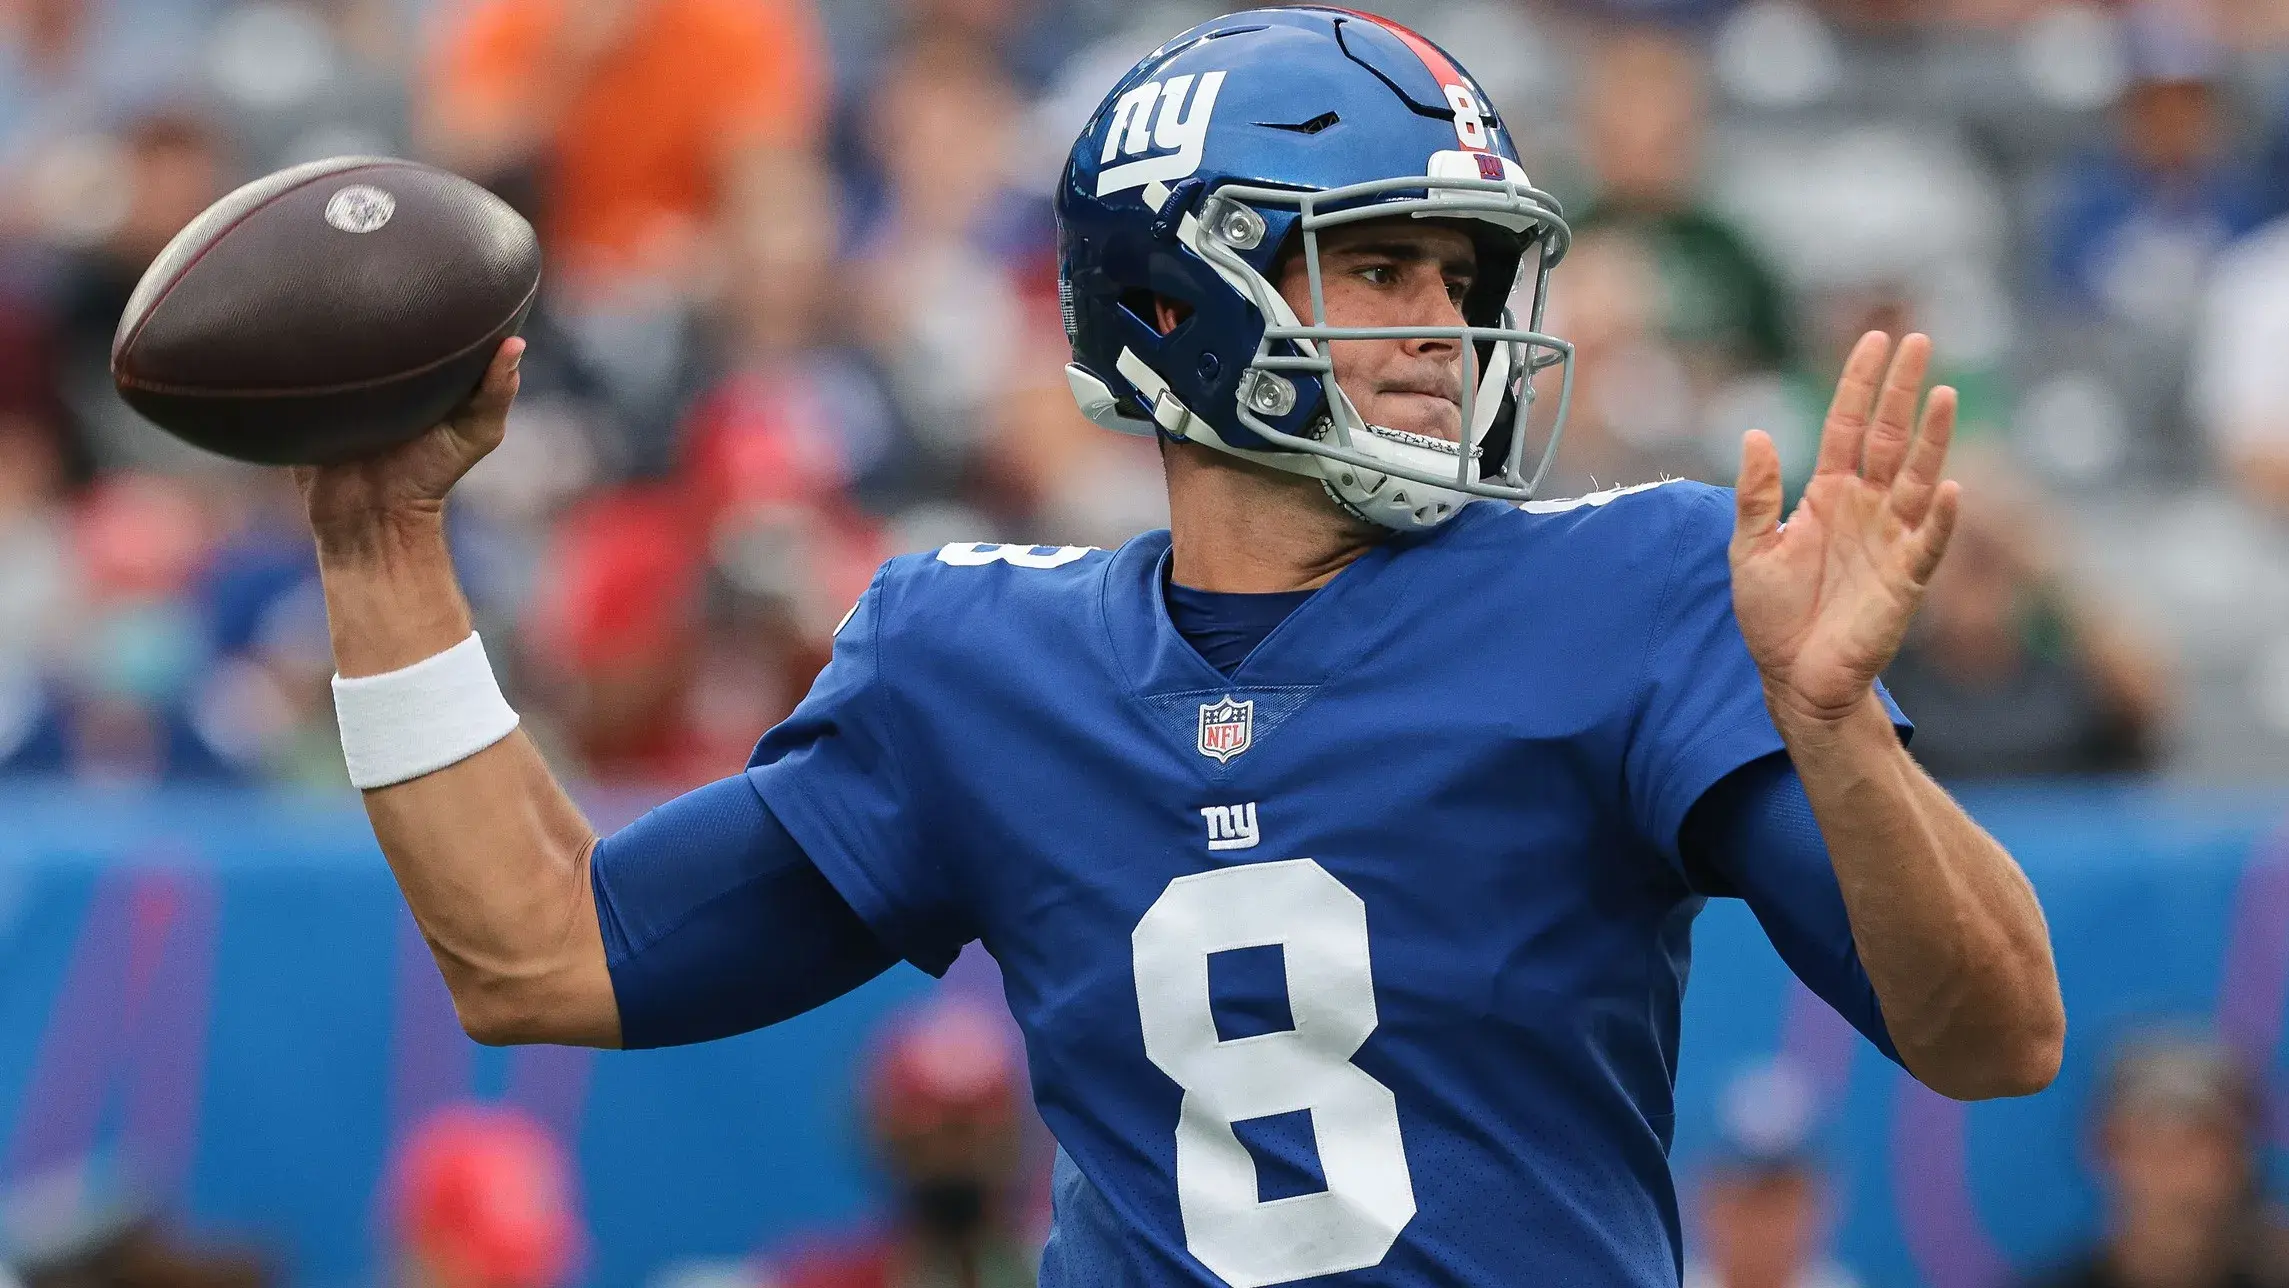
(326, 312)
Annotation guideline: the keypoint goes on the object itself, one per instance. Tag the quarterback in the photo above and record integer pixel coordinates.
(1340, 845)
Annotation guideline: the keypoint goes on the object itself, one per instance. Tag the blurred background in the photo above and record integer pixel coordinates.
(800, 315)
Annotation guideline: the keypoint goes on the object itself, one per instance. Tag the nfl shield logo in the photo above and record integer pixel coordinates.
(1226, 728)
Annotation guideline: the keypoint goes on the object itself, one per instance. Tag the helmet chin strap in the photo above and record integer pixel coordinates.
(1401, 504)
(1386, 500)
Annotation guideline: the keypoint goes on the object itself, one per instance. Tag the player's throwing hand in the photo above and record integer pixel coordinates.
(1825, 600)
(346, 501)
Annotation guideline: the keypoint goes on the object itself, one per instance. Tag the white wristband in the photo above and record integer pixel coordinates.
(418, 719)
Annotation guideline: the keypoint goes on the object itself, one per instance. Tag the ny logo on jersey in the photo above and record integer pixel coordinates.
(1226, 728)
(1231, 827)
(1179, 128)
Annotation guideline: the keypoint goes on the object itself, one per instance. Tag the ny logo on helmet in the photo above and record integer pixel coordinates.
(1179, 128)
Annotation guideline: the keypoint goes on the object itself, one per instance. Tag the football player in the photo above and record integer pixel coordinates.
(1340, 845)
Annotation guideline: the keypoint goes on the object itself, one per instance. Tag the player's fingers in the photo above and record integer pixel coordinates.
(1926, 459)
(1894, 422)
(1756, 492)
(1930, 540)
(1847, 420)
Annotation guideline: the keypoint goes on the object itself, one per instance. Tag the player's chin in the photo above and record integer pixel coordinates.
(1426, 414)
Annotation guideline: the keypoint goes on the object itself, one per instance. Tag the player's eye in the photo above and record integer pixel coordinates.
(1457, 288)
(1380, 274)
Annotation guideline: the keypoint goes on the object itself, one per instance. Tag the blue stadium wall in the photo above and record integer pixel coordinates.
(225, 992)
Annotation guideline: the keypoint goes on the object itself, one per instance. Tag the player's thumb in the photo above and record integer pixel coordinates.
(483, 420)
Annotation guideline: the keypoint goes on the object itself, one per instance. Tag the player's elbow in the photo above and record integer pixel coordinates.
(2019, 1061)
(2032, 1055)
(2039, 1074)
(493, 1016)
(510, 1012)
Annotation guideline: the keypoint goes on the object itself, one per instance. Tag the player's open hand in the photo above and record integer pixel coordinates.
(1825, 599)
(348, 502)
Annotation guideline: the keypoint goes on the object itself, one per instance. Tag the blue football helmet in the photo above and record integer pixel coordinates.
(1235, 144)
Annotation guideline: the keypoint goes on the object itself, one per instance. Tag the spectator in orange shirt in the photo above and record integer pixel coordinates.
(626, 119)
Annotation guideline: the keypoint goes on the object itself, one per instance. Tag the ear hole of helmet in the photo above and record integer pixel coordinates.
(1147, 307)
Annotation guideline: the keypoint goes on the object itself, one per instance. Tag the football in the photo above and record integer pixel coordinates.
(326, 312)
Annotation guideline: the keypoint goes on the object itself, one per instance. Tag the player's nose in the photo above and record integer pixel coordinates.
(1432, 303)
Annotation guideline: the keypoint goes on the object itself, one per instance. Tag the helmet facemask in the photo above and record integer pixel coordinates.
(1397, 479)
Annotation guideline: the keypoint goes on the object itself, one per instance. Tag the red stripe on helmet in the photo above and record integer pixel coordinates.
(1435, 61)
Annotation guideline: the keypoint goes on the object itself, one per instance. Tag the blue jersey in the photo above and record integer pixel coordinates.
(1362, 964)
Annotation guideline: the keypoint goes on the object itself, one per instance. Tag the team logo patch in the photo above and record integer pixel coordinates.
(1168, 117)
(1232, 827)
(1226, 728)
(1458, 163)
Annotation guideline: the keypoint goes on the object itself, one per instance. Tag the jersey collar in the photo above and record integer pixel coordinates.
(1351, 614)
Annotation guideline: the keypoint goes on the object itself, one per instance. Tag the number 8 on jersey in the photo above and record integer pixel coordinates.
(1321, 928)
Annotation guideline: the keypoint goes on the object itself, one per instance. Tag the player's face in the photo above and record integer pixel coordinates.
(1393, 273)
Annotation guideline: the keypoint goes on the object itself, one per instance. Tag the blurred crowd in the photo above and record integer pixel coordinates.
(800, 314)
(2175, 1138)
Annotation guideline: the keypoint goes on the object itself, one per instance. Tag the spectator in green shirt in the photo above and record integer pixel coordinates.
(1644, 105)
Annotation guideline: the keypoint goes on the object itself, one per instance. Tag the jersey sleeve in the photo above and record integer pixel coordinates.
(1702, 714)
(1753, 837)
(840, 774)
(715, 922)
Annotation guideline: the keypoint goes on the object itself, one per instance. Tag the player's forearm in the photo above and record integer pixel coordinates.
(491, 854)
(1946, 925)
